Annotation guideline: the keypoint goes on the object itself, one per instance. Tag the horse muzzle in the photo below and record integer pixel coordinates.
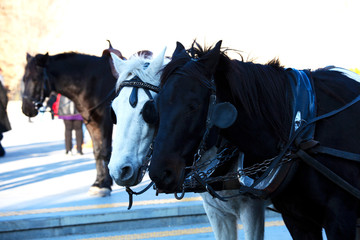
(167, 180)
(126, 174)
(29, 109)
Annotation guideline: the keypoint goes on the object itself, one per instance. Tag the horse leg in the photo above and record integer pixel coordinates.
(302, 230)
(341, 219)
(252, 215)
(223, 224)
(102, 152)
(302, 217)
(358, 229)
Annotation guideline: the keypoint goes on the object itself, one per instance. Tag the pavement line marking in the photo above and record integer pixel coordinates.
(173, 233)
(99, 206)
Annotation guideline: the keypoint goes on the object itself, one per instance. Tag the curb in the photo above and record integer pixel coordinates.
(100, 221)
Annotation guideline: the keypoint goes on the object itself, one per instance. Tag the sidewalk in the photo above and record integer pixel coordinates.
(41, 186)
(44, 193)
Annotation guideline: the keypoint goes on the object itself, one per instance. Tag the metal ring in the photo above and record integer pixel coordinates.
(182, 194)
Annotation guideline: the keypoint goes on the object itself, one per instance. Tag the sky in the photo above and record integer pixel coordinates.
(302, 34)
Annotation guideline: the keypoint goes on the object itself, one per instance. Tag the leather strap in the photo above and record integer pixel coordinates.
(337, 153)
(328, 173)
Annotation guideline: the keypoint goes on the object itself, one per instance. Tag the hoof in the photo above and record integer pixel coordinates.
(99, 192)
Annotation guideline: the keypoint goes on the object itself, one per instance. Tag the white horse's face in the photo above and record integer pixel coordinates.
(133, 135)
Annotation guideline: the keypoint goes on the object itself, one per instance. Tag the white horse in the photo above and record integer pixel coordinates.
(132, 140)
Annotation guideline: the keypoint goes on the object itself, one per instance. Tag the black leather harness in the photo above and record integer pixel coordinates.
(299, 146)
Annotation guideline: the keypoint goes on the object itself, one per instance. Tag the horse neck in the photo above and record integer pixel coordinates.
(72, 75)
(258, 130)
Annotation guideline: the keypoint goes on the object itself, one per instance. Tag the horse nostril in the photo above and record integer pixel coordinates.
(167, 177)
(126, 172)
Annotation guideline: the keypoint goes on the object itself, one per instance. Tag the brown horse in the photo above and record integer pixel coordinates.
(86, 80)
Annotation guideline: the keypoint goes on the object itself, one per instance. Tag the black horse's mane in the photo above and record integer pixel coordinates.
(261, 90)
(67, 55)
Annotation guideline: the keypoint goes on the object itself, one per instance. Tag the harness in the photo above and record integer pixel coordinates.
(282, 166)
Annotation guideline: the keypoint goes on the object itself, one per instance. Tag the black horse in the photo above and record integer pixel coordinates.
(280, 120)
(89, 82)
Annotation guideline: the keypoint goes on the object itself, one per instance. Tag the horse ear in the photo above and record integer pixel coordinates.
(211, 59)
(116, 65)
(42, 60)
(180, 49)
(157, 63)
(224, 115)
(28, 57)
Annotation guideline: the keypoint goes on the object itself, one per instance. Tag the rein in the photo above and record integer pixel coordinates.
(90, 110)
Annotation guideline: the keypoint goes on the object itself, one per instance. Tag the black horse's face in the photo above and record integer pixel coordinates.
(33, 92)
(181, 107)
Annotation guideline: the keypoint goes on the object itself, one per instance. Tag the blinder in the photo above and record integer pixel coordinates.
(113, 115)
(224, 115)
(137, 83)
(150, 113)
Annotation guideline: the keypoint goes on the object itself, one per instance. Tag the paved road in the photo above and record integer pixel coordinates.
(38, 181)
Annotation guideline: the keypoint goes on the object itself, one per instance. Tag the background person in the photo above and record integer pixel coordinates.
(4, 120)
(73, 121)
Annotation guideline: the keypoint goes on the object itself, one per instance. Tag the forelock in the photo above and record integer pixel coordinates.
(135, 66)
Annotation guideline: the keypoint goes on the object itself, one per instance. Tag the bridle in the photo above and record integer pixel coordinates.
(193, 176)
(137, 83)
(44, 91)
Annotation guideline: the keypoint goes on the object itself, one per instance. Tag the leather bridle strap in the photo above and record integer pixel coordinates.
(137, 82)
(131, 193)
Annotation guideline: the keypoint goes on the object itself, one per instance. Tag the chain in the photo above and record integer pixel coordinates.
(222, 157)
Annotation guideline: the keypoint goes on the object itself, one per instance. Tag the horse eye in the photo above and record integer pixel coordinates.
(149, 112)
(113, 115)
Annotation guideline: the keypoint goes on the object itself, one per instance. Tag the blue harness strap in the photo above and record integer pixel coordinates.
(304, 101)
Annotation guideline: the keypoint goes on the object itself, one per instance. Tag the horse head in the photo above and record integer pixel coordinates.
(35, 84)
(133, 135)
(182, 109)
